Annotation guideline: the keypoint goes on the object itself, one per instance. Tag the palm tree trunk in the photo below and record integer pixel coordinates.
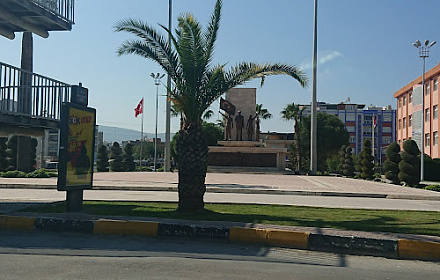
(192, 158)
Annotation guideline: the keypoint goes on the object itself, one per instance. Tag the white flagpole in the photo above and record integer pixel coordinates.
(372, 126)
(142, 134)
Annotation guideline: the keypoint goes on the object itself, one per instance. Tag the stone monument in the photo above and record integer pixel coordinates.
(247, 151)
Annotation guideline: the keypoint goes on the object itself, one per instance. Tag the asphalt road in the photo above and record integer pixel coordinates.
(46, 255)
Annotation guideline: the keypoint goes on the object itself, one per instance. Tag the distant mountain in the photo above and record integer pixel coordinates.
(117, 134)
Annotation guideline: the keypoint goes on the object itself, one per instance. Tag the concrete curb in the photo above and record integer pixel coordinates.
(346, 244)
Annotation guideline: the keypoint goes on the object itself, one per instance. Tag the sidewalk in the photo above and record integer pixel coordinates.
(244, 188)
(240, 183)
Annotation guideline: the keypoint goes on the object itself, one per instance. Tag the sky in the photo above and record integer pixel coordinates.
(364, 52)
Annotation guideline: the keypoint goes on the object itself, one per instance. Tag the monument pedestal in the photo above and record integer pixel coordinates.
(246, 154)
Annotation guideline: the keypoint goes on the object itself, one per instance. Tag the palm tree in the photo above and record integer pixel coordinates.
(197, 83)
(294, 112)
(263, 113)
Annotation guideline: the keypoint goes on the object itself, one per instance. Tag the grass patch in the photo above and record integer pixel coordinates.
(411, 222)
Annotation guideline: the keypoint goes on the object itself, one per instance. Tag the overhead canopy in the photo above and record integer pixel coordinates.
(36, 16)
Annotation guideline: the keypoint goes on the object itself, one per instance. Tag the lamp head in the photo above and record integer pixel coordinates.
(432, 43)
(426, 43)
(418, 43)
(415, 45)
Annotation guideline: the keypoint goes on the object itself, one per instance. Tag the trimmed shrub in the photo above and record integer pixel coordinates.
(128, 159)
(13, 174)
(435, 188)
(116, 158)
(391, 164)
(348, 166)
(367, 161)
(409, 166)
(4, 162)
(102, 159)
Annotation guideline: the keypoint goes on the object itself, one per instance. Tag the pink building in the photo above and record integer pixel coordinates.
(409, 112)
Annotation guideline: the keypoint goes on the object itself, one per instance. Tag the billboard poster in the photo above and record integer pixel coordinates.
(77, 143)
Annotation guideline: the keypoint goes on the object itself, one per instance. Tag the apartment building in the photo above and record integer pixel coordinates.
(358, 120)
(410, 111)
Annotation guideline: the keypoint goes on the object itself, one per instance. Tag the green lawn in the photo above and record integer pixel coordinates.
(413, 222)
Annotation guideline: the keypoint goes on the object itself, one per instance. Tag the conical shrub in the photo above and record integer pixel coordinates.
(409, 166)
(391, 164)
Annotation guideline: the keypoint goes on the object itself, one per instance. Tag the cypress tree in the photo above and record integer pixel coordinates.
(116, 158)
(102, 161)
(33, 162)
(12, 152)
(128, 159)
(391, 164)
(4, 162)
(348, 163)
(409, 166)
(367, 162)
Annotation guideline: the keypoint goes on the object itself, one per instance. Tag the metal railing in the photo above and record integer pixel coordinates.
(64, 9)
(30, 94)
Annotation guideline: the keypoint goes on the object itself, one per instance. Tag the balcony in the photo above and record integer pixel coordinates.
(36, 16)
(29, 103)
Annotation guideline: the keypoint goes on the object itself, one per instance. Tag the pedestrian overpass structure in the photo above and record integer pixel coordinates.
(36, 16)
(29, 103)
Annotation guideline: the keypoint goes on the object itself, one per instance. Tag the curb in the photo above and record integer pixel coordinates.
(347, 244)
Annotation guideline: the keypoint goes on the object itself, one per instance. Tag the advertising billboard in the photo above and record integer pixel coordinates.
(77, 145)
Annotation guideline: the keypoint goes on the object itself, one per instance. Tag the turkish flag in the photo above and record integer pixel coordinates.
(139, 108)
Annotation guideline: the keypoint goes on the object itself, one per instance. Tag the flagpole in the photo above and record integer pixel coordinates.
(142, 134)
(373, 127)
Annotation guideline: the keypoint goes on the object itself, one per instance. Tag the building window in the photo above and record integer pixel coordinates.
(386, 117)
(400, 124)
(427, 140)
(404, 123)
(427, 119)
(435, 84)
(368, 119)
(428, 89)
(386, 129)
(387, 140)
(435, 136)
(410, 99)
(352, 139)
(404, 101)
(410, 120)
(435, 112)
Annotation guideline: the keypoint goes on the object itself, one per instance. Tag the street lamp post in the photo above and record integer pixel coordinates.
(423, 53)
(156, 78)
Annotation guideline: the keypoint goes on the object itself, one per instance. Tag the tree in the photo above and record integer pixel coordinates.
(391, 164)
(260, 113)
(409, 166)
(197, 83)
(331, 135)
(116, 158)
(128, 159)
(102, 161)
(348, 167)
(12, 152)
(367, 161)
(294, 112)
(4, 162)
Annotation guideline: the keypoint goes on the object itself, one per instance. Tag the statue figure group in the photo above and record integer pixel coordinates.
(239, 125)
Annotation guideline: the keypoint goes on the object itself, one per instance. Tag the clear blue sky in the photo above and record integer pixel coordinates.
(364, 49)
